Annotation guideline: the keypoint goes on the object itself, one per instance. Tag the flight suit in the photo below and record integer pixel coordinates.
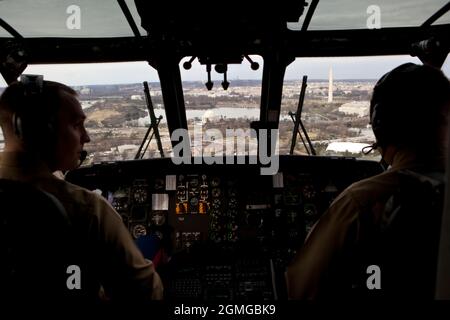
(320, 268)
(114, 260)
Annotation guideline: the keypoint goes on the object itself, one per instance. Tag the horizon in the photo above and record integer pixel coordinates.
(230, 80)
(125, 73)
(202, 82)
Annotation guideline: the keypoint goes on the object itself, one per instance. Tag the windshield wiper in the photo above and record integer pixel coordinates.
(129, 17)
(10, 29)
(309, 14)
(153, 125)
(297, 119)
(436, 15)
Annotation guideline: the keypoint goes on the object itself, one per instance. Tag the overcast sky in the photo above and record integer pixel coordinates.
(133, 72)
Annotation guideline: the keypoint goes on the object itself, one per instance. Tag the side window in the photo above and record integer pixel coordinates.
(112, 97)
(336, 105)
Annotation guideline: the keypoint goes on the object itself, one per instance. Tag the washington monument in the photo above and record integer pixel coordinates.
(330, 85)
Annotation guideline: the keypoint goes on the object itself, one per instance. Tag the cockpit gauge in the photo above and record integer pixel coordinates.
(140, 195)
(159, 184)
(215, 182)
(254, 219)
(309, 191)
(204, 192)
(158, 218)
(204, 188)
(216, 204)
(310, 210)
(232, 203)
(181, 193)
(194, 182)
(138, 230)
(159, 234)
(232, 192)
(120, 199)
(291, 198)
(215, 192)
(121, 193)
(193, 201)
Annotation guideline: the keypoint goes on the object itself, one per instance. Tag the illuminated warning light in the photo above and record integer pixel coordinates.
(181, 208)
(203, 207)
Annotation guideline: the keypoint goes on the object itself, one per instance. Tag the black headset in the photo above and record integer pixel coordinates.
(386, 119)
(380, 128)
(33, 122)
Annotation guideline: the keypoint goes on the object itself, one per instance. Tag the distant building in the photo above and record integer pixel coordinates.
(127, 148)
(137, 97)
(359, 108)
(86, 91)
(352, 147)
(209, 115)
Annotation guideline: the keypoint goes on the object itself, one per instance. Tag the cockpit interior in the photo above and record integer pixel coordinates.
(220, 226)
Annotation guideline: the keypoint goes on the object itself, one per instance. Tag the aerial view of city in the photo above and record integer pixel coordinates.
(335, 115)
(337, 123)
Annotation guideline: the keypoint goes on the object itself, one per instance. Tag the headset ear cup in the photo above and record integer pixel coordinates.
(33, 134)
(17, 124)
(378, 126)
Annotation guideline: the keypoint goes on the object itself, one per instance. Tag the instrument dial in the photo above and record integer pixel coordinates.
(215, 182)
(193, 201)
(310, 210)
(309, 191)
(120, 201)
(159, 184)
(139, 230)
(215, 192)
(194, 182)
(158, 218)
(140, 195)
(216, 204)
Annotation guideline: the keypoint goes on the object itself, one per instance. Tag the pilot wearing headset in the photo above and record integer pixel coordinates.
(43, 127)
(409, 116)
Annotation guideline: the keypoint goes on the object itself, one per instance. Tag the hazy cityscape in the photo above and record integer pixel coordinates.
(337, 123)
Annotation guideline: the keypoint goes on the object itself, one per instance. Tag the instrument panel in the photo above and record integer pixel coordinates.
(219, 232)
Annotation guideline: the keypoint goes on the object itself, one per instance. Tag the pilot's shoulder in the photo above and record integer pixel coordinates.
(373, 188)
(80, 197)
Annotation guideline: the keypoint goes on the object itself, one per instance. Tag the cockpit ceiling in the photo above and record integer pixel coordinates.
(104, 18)
(350, 14)
(57, 18)
(337, 28)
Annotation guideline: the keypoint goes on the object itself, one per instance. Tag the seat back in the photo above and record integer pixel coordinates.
(36, 244)
(410, 235)
(405, 244)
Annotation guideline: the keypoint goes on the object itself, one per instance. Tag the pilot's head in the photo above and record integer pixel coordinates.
(409, 109)
(48, 123)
